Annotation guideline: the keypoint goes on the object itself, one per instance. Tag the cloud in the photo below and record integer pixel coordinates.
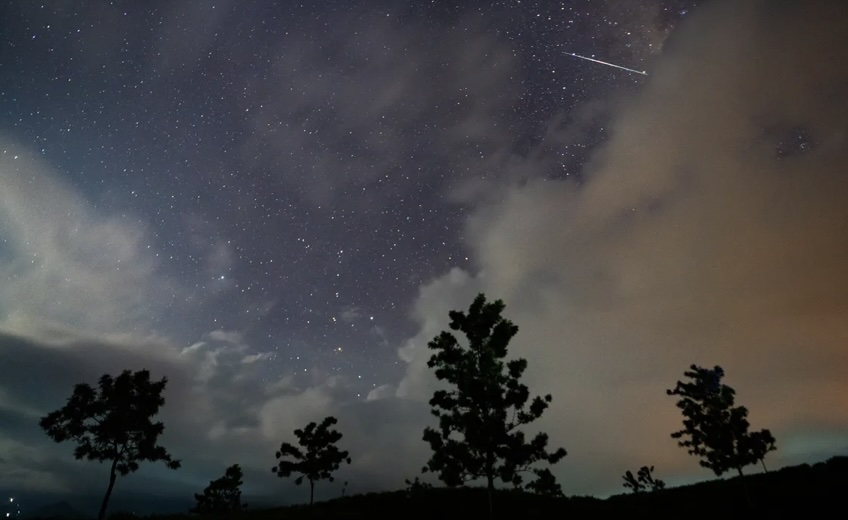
(707, 230)
(212, 410)
(710, 229)
(27, 466)
(350, 314)
(83, 295)
(451, 91)
(220, 409)
(82, 298)
(63, 262)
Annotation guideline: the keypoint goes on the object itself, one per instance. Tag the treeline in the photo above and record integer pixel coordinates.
(479, 435)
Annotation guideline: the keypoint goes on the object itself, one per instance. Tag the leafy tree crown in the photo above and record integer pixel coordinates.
(317, 456)
(113, 423)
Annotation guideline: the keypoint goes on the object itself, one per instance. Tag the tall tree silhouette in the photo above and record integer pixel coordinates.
(222, 495)
(316, 459)
(479, 419)
(713, 428)
(113, 423)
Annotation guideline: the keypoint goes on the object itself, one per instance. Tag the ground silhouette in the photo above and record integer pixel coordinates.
(804, 491)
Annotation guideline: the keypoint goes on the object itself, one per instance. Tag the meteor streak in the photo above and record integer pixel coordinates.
(642, 72)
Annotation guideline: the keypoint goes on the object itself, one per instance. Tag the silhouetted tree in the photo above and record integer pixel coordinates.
(713, 428)
(632, 482)
(545, 484)
(759, 444)
(113, 424)
(319, 457)
(478, 434)
(644, 480)
(646, 476)
(222, 495)
(416, 487)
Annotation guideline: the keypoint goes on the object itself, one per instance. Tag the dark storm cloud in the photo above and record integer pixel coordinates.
(695, 238)
(36, 378)
(212, 399)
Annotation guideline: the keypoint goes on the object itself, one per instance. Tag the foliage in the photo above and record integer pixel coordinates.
(545, 483)
(416, 487)
(416, 484)
(644, 480)
(713, 428)
(319, 457)
(632, 483)
(758, 444)
(478, 434)
(113, 424)
(222, 495)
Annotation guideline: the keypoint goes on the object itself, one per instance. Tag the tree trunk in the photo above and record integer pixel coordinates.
(489, 491)
(112, 477)
(311, 490)
(763, 462)
(490, 477)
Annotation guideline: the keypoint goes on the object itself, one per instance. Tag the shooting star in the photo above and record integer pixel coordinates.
(642, 72)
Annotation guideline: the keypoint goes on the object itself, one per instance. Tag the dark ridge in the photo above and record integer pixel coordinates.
(806, 490)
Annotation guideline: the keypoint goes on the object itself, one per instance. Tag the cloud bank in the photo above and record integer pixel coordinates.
(711, 228)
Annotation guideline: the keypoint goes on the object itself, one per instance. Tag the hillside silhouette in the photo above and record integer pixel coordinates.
(804, 489)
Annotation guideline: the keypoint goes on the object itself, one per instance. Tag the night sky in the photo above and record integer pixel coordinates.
(276, 204)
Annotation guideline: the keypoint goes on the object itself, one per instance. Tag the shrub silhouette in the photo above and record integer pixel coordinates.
(318, 459)
(644, 480)
(222, 495)
(416, 487)
(113, 424)
(478, 434)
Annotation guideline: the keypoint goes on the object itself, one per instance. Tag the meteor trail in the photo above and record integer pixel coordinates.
(642, 72)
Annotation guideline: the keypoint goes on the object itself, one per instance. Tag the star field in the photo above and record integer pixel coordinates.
(294, 165)
(276, 204)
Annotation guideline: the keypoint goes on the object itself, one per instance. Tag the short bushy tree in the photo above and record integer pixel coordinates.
(479, 433)
(643, 480)
(632, 482)
(222, 495)
(113, 424)
(316, 459)
(713, 428)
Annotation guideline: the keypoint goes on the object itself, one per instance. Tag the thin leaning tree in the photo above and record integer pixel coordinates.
(113, 424)
(479, 434)
(316, 458)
